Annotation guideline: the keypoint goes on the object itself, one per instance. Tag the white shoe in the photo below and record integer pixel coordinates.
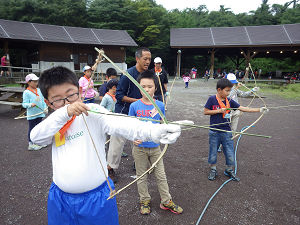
(33, 147)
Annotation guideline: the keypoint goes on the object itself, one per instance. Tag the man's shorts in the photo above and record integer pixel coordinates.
(81, 209)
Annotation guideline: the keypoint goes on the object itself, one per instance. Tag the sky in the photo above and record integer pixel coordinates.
(237, 6)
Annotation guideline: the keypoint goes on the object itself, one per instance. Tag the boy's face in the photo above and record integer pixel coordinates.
(88, 73)
(114, 90)
(225, 92)
(62, 94)
(112, 77)
(158, 66)
(149, 86)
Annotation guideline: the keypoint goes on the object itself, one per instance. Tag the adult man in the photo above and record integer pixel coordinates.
(127, 93)
(163, 78)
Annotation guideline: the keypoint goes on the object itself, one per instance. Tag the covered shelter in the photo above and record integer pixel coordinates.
(239, 43)
(42, 45)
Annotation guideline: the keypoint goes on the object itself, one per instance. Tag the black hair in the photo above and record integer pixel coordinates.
(56, 76)
(149, 74)
(111, 83)
(224, 83)
(139, 52)
(111, 72)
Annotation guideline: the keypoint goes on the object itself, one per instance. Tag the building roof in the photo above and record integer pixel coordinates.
(287, 34)
(51, 33)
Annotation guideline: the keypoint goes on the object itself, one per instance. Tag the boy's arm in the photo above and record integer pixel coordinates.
(247, 109)
(214, 111)
(133, 129)
(243, 94)
(43, 132)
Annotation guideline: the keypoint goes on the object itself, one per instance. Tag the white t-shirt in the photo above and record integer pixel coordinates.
(76, 167)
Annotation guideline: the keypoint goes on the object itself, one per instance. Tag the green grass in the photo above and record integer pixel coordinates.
(12, 85)
(288, 91)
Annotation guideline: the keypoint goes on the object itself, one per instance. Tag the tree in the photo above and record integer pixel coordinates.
(57, 12)
(112, 14)
(263, 15)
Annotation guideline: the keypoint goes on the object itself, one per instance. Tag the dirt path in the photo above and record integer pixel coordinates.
(268, 192)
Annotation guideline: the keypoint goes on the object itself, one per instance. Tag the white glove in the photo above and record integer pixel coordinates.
(165, 133)
(167, 93)
(182, 123)
(264, 110)
(255, 89)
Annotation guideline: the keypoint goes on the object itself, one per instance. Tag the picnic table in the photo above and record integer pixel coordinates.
(11, 96)
(96, 86)
(22, 83)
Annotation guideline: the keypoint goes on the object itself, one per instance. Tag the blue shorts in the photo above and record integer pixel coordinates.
(88, 100)
(88, 208)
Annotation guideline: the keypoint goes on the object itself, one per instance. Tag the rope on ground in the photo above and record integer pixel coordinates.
(226, 182)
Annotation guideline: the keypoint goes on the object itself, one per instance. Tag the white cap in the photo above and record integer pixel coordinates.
(157, 60)
(87, 68)
(30, 77)
(232, 78)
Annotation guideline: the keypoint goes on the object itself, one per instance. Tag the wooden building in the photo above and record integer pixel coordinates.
(41, 46)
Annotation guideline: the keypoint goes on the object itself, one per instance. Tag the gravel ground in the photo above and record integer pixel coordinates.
(268, 192)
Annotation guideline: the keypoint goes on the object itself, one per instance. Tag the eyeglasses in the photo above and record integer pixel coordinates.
(61, 102)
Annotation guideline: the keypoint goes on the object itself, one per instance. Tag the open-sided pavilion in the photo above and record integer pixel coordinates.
(238, 43)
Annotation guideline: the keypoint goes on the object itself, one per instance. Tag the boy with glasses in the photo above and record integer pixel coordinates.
(80, 185)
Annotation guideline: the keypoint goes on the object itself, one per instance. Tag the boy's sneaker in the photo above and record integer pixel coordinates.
(172, 207)
(212, 174)
(220, 149)
(145, 207)
(230, 173)
(33, 147)
(112, 175)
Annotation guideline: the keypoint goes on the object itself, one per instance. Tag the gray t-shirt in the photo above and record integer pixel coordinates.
(108, 103)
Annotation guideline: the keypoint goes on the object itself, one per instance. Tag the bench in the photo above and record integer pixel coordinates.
(11, 103)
